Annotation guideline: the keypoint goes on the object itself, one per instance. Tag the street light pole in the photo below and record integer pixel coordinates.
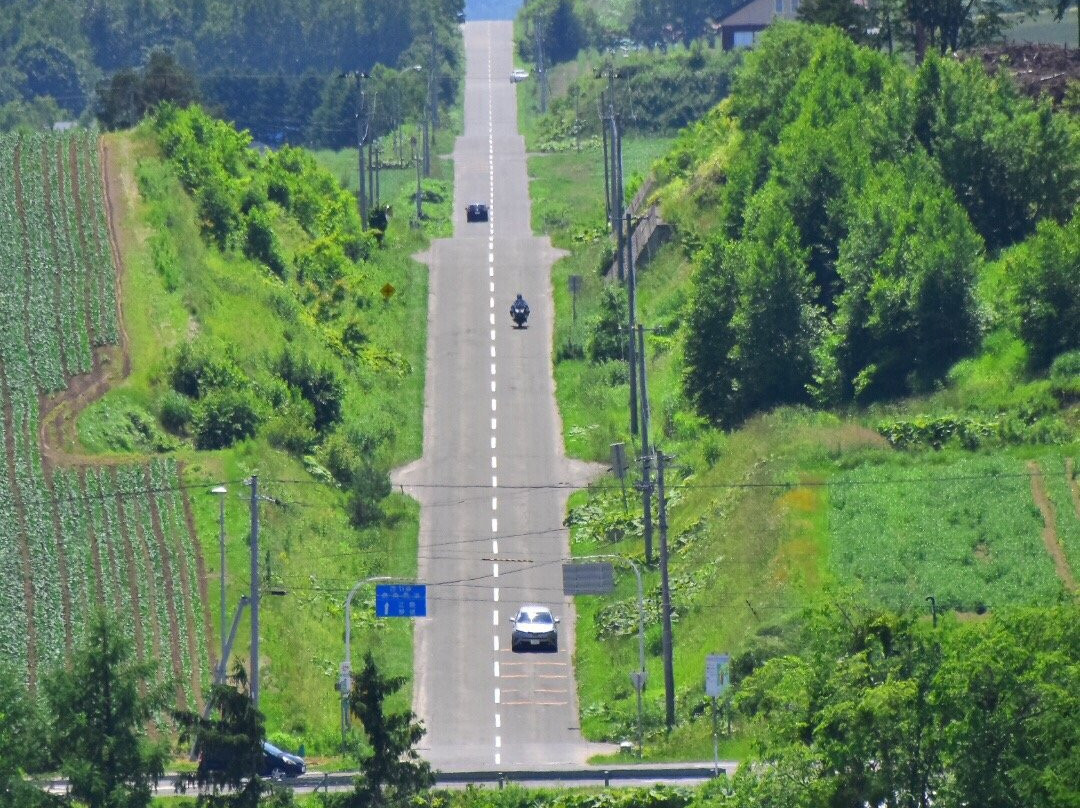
(641, 675)
(254, 483)
(345, 683)
(221, 491)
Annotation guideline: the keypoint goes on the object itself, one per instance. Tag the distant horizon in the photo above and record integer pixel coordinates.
(491, 9)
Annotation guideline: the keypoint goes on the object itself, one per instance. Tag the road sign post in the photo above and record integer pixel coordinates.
(588, 579)
(717, 681)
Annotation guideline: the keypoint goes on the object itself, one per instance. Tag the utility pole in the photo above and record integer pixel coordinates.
(665, 598)
(627, 258)
(541, 70)
(362, 125)
(254, 483)
(221, 491)
(646, 452)
(607, 163)
(416, 162)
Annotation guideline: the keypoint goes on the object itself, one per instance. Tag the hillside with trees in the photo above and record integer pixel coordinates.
(274, 68)
(862, 370)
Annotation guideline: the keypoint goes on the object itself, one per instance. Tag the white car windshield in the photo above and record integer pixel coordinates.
(540, 618)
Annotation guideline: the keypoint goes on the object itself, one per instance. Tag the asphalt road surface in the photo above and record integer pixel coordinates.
(493, 480)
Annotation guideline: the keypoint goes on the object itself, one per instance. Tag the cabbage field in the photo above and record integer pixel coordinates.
(73, 538)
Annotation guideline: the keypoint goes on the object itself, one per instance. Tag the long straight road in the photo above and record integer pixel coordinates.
(493, 480)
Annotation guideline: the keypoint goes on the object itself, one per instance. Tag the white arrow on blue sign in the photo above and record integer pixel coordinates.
(401, 600)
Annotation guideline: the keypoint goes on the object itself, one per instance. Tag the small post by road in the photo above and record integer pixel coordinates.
(626, 259)
(345, 682)
(419, 196)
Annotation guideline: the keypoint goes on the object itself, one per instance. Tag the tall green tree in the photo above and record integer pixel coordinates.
(391, 772)
(775, 323)
(1045, 271)
(21, 751)
(229, 746)
(908, 268)
(101, 708)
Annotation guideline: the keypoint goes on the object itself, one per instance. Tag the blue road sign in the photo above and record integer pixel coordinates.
(401, 600)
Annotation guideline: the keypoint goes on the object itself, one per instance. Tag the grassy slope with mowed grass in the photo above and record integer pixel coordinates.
(758, 531)
(312, 550)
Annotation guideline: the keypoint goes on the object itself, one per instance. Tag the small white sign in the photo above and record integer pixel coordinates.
(717, 674)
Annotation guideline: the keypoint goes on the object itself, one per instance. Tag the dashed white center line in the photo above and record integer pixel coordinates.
(493, 382)
(494, 547)
(493, 429)
(494, 503)
(495, 617)
(495, 570)
(493, 410)
(492, 351)
(498, 720)
(494, 524)
(495, 591)
(496, 642)
(494, 461)
(498, 741)
(492, 441)
(494, 481)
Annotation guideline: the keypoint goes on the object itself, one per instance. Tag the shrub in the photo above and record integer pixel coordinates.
(368, 489)
(340, 457)
(175, 412)
(605, 340)
(319, 384)
(201, 366)
(261, 243)
(291, 428)
(1066, 364)
(223, 417)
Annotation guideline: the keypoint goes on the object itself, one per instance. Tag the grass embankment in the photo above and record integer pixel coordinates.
(307, 545)
(793, 509)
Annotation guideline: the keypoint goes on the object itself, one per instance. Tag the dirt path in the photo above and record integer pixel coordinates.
(204, 590)
(1050, 535)
(61, 562)
(132, 576)
(95, 548)
(111, 363)
(170, 594)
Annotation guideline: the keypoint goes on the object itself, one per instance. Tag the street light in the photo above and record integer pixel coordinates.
(345, 683)
(221, 491)
(640, 675)
(362, 126)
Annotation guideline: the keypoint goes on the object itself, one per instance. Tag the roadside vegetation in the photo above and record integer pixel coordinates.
(914, 450)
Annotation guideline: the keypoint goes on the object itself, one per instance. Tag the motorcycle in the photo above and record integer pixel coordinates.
(520, 315)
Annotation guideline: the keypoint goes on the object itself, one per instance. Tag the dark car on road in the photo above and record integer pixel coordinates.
(534, 627)
(476, 212)
(274, 763)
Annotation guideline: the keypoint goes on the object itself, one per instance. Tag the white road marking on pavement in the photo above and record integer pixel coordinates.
(498, 759)
(494, 503)
(493, 410)
(491, 257)
(493, 333)
(498, 693)
(495, 570)
(494, 461)
(496, 591)
(494, 547)
(492, 424)
(496, 643)
(492, 441)
(498, 720)
(498, 741)
(491, 272)
(492, 368)
(491, 316)
(492, 351)
(493, 381)
(493, 291)
(491, 302)
(494, 617)
(494, 525)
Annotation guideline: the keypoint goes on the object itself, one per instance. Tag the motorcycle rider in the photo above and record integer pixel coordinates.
(519, 306)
